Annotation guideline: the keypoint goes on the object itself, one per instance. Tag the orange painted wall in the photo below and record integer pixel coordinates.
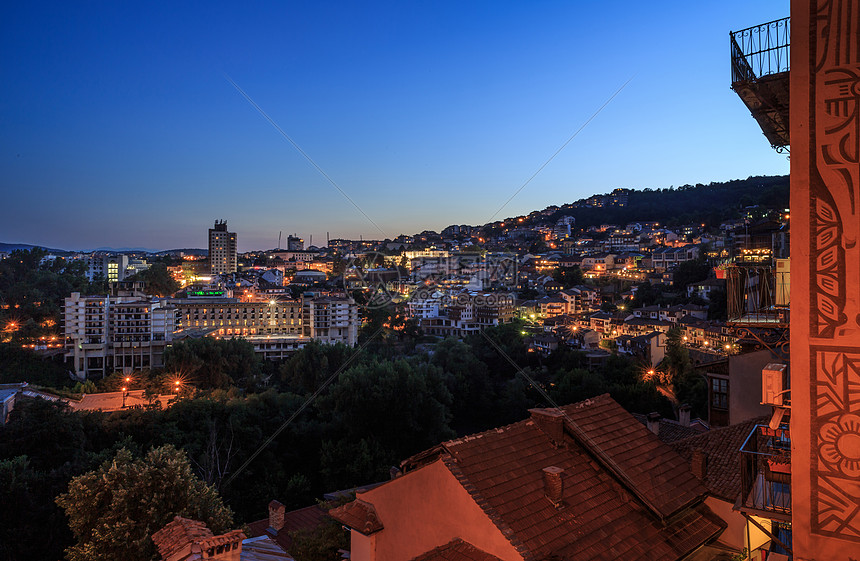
(825, 283)
(424, 509)
(735, 534)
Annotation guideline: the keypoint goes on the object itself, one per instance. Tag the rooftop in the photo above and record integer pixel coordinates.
(456, 550)
(722, 447)
(626, 495)
(306, 518)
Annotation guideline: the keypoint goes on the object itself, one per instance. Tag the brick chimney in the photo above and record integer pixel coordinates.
(551, 422)
(276, 515)
(654, 422)
(684, 414)
(699, 464)
(553, 484)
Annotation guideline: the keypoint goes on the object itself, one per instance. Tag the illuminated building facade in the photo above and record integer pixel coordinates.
(222, 249)
(104, 334)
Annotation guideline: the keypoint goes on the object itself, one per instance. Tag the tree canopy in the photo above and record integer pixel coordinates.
(158, 280)
(114, 510)
(214, 363)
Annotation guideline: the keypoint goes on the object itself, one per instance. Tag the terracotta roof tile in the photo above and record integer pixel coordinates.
(614, 468)
(306, 518)
(654, 469)
(672, 430)
(722, 446)
(182, 533)
(358, 515)
(456, 550)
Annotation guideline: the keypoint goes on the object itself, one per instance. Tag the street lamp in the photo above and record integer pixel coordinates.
(123, 397)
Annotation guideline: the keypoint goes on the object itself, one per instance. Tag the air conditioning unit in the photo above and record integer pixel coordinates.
(774, 385)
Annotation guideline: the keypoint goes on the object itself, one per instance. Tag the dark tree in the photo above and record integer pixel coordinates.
(158, 280)
(568, 276)
(214, 363)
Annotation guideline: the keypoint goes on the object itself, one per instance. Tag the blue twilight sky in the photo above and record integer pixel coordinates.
(119, 125)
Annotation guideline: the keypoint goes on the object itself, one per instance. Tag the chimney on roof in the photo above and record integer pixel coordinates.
(551, 422)
(699, 464)
(684, 414)
(276, 515)
(553, 484)
(654, 422)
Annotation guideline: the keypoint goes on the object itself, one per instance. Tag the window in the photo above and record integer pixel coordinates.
(719, 393)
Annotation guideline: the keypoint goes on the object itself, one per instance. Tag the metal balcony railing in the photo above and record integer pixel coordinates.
(757, 295)
(760, 50)
(766, 470)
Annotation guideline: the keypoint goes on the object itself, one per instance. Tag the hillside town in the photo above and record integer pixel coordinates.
(624, 376)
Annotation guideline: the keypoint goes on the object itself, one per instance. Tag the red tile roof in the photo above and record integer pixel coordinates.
(672, 430)
(182, 533)
(456, 550)
(306, 518)
(722, 447)
(626, 494)
(358, 515)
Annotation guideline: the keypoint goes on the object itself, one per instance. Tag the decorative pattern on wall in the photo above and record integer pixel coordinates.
(835, 270)
(836, 438)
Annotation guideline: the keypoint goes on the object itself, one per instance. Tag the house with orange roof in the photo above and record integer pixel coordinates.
(583, 482)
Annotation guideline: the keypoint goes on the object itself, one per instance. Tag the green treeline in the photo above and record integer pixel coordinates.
(378, 411)
(689, 204)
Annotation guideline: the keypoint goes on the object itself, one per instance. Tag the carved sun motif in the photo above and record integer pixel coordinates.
(840, 444)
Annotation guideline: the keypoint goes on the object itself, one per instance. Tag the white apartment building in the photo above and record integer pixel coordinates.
(104, 334)
(113, 268)
(668, 257)
(233, 318)
(330, 319)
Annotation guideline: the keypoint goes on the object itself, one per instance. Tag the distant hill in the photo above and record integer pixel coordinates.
(9, 247)
(123, 250)
(687, 204)
(186, 251)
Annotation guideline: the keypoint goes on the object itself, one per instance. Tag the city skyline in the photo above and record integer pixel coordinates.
(124, 128)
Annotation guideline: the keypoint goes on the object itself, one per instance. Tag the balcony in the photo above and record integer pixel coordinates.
(758, 296)
(766, 473)
(760, 67)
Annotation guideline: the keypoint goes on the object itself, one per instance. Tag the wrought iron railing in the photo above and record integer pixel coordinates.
(760, 50)
(757, 295)
(766, 469)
